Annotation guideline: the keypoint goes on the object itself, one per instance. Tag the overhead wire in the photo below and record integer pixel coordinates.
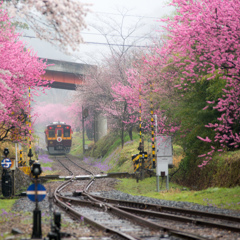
(99, 43)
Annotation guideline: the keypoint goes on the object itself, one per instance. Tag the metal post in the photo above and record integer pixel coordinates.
(167, 183)
(94, 128)
(37, 224)
(155, 116)
(13, 182)
(142, 171)
(30, 155)
(83, 132)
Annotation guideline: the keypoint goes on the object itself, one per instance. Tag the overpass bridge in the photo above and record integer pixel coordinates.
(66, 75)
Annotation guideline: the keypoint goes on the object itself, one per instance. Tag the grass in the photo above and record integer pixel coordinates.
(46, 164)
(77, 144)
(119, 159)
(227, 198)
(6, 205)
(21, 220)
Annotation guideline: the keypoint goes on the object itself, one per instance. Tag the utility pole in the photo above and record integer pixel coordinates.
(83, 132)
(84, 116)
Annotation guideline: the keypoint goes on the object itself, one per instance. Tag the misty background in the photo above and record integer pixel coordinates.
(95, 45)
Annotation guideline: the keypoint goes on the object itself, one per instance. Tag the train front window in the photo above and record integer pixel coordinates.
(66, 132)
(51, 133)
(59, 133)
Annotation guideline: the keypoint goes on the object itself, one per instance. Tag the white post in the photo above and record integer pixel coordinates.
(164, 156)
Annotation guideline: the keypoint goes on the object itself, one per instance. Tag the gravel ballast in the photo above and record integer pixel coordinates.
(188, 205)
(104, 188)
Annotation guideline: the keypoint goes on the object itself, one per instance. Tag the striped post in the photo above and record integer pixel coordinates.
(152, 128)
(21, 160)
(140, 119)
(30, 131)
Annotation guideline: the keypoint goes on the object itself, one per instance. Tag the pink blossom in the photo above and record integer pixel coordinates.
(205, 140)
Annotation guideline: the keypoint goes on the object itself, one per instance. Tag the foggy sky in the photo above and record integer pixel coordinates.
(150, 11)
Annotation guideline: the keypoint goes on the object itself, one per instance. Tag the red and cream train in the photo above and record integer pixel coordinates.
(58, 138)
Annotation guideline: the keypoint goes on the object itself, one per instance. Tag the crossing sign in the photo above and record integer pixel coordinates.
(41, 192)
(6, 163)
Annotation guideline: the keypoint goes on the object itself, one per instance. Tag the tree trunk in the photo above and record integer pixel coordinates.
(130, 133)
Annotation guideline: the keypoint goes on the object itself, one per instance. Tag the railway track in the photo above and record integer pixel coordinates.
(134, 220)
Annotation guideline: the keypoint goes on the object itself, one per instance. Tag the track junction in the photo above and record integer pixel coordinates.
(78, 196)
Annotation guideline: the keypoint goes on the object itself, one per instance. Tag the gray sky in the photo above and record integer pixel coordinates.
(149, 10)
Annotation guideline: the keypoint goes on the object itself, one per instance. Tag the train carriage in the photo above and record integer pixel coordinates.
(58, 137)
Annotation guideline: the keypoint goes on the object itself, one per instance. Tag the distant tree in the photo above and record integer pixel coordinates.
(112, 70)
(47, 113)
(57, 21)
(19, 71)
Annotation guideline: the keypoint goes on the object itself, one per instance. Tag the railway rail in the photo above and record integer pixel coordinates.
(178, 214)
(134, 220)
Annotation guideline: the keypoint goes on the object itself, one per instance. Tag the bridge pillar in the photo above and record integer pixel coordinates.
(100, 127)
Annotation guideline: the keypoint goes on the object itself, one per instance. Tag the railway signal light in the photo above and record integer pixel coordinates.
(5, 152)
(36, 169)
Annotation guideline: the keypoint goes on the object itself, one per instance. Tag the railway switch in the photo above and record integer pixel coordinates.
(77, 193)
(55, 233)
(57, 219)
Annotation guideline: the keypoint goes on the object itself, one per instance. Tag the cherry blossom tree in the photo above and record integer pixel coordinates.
(207, 32)
(150, 85)
(204, 43)
(97, 92)
(20, 70)
(75, 112)
(58, 21)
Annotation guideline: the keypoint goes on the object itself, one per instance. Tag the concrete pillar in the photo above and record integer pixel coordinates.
(100, 126)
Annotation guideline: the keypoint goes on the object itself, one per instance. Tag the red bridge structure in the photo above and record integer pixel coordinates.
(66, 75)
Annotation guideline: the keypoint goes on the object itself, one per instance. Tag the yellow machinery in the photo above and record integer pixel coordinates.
(141, 163)
(26, 170)
(22, 164)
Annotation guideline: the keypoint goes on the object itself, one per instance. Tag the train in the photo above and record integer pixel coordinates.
(58, 138)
